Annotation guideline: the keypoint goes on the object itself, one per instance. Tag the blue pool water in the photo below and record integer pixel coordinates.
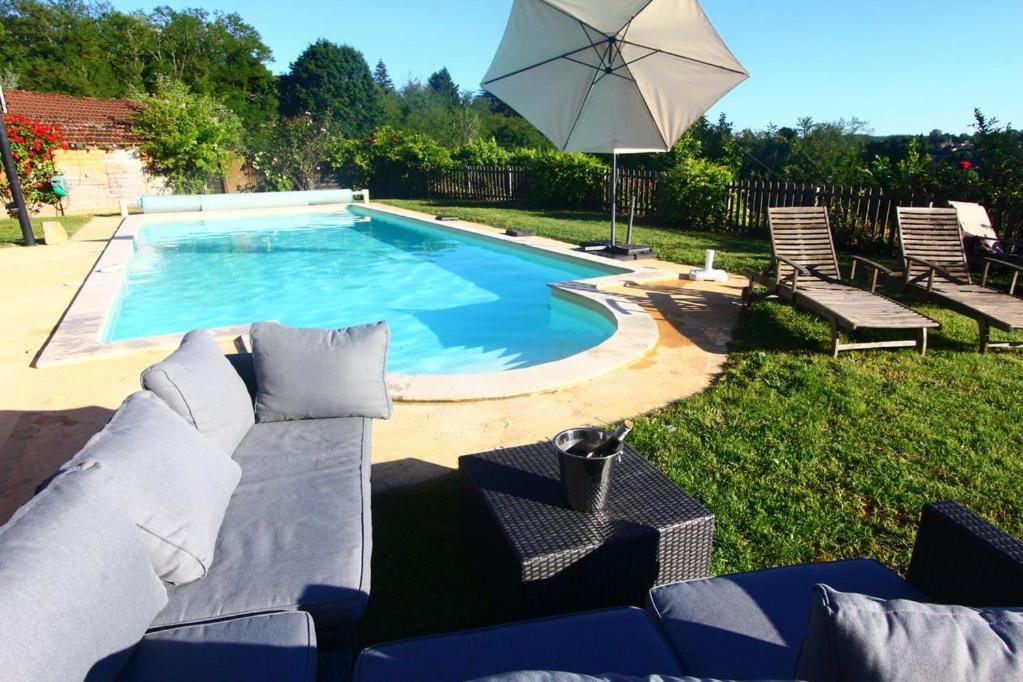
(456, 303)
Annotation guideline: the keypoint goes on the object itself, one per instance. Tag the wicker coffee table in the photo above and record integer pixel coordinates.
(544, 557)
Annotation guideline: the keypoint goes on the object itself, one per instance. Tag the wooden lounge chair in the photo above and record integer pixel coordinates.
(804, 270)
(934, 265)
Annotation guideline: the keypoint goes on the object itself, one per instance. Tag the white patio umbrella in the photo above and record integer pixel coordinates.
(612, 76)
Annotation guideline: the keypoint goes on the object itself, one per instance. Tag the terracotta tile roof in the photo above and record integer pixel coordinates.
(86, 121)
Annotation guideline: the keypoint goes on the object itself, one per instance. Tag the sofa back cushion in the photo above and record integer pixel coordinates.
(76, 586)
(856, 637)
(173, 483)
(199, 383)
(320, 373)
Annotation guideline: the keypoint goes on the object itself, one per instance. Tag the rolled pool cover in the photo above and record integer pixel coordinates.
(187, 203)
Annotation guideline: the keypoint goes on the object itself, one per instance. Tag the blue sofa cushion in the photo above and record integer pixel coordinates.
(170, 480)
(560, 676)
(751, 625)
(199, 383)
(77, 590)
(621, 641)
(320, 373)
(297, 533)
(856, 637)
(275, 647)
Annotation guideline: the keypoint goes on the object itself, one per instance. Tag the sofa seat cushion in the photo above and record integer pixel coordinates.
(751, 625)
(272, 647)
(170, 480)
(199, 383)
(296, 534)
(621, 641)
(856, 637)
(77, 590)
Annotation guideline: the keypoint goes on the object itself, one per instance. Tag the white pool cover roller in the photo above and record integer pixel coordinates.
(621, 77)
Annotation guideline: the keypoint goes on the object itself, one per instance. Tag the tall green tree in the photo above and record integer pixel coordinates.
(218, 55)
(56, 47)
(382, 78)
(442, 85)
(86, 48)
(332, 81)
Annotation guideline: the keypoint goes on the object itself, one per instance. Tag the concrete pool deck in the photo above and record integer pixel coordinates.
(48, 413)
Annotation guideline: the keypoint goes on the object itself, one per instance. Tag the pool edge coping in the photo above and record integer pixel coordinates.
(77, 336)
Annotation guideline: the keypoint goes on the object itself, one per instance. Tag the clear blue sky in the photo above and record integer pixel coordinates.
(904, 66)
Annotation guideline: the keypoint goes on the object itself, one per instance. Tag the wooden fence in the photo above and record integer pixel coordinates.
(479, 183)
(511, 184)
(864, 215)
(859, 215)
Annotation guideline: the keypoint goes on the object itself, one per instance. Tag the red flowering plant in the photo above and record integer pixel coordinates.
(32, 145)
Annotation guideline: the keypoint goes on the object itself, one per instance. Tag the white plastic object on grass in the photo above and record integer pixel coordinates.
(708, 273)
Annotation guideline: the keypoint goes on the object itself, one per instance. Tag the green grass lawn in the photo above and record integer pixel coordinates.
(800, 456)
(735, 251)
(10, 229)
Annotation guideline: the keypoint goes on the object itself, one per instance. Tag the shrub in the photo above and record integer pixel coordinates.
(390, 162)
(481, 152)
(188, 137)
(694, 194)
(32, 146)
(563, 180)
(290, 154)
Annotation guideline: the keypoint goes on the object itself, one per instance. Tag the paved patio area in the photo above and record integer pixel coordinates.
(47, 414)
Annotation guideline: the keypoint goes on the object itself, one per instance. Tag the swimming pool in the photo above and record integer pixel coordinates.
(457, 302)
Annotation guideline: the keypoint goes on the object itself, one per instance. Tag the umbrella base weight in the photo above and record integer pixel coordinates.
(627, 252)
(594, 245)
(520, 233)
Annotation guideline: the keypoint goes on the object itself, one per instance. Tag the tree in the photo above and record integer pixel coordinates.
(87, 48)
(828, 153)
(382, 78)
(444, 87)
(999, 157)
(289, 153)
(188, 137)
(56, 46)
(332, 81)
(218, 55)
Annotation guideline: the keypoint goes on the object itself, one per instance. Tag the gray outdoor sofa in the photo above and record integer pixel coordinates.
(751, 626)
(197, 537)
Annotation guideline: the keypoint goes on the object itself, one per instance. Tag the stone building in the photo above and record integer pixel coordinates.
(103, 165)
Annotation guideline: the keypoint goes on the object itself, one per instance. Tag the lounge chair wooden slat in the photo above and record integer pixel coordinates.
(802, 235)
(934, 235)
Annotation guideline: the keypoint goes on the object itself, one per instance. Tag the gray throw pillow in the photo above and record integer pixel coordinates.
(320, 373)
(856, 637)
(168, 479)
(76, 586)
(199, 383)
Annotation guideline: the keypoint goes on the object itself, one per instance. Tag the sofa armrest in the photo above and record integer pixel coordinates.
(959, 558)
(242, 363)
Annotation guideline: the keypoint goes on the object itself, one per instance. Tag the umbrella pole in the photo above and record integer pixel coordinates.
(614, 196)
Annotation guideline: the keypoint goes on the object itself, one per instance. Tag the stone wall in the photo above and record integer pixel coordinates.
(98, 179)
(238, 176)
